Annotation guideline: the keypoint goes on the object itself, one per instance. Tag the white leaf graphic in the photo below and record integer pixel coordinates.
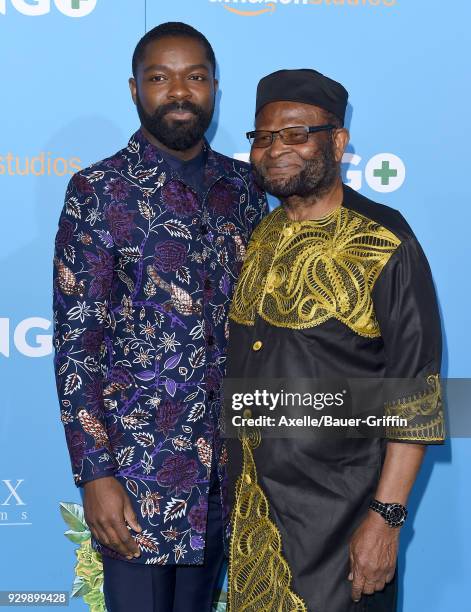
(183, 274)
(96, 175)
(175, 509)
(144, 438)
(176, 228)
(69, 252)
(125, 456)
(197, 357)
(147, 462)
(188, 398)
(196, 412)
(72, 207)
(72, 383)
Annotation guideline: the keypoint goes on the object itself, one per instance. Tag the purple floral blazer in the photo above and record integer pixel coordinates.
(144, 272)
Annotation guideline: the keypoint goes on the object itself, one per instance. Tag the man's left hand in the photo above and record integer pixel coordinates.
(373, 554)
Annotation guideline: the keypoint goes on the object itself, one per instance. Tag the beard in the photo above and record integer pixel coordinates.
(314, 180)
(175, 134)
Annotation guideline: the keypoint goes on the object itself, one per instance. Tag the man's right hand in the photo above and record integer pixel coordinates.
(107, 508)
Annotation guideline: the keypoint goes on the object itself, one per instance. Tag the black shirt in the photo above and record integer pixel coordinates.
(189, 171)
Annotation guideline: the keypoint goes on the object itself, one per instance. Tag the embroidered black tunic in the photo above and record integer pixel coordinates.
(348, 295)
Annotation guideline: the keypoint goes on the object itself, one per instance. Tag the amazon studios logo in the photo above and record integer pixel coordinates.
(34, 8)
(259, 7)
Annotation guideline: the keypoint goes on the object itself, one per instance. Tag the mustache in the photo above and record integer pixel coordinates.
(186, 105)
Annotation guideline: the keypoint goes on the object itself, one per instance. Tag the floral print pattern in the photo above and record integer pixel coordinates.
(144, 271)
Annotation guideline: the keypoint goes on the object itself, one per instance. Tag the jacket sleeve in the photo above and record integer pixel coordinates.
(82, 276)
(406, 307)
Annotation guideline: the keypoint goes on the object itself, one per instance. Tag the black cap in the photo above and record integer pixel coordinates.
(304, 85)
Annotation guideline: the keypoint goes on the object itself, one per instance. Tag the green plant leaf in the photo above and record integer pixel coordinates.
(95, 599)
(80, 587)
(77, 536)
(73, 516)
(97, 581)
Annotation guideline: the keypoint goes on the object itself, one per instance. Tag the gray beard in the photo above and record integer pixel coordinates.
(314, 180)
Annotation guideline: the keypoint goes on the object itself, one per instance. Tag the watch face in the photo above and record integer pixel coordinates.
(396, 515)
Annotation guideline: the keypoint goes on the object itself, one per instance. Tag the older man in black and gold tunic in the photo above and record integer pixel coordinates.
(333, 285)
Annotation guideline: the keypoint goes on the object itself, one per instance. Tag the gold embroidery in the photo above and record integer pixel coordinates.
(259, 577)
(300, 274)
(424, 413)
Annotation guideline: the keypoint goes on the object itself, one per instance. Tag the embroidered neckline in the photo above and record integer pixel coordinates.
(328, 218)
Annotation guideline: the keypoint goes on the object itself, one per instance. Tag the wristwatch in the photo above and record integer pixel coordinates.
(394, 514)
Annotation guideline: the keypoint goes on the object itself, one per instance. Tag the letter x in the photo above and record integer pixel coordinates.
(13, 492)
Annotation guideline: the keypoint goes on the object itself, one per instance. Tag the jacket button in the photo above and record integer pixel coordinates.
(288, 231)
(257, 345)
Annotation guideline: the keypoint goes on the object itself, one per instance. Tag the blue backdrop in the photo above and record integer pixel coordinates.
(65, 103)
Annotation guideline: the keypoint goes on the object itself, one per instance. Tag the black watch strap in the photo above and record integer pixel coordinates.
(394, 514)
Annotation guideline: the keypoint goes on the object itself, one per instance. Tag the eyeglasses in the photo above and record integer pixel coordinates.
(261, 139)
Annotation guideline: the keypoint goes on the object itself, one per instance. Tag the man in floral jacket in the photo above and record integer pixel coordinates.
(149, 245)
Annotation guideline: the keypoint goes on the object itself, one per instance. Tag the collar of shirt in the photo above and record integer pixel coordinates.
(147, 157)
(190, 172)
(185, 166)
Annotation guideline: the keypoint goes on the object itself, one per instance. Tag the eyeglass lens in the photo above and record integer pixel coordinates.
(289, 136)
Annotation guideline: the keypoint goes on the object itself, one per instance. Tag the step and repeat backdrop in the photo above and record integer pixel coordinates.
(65, 103)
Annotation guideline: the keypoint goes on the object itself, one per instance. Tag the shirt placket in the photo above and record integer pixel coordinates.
(257, 341)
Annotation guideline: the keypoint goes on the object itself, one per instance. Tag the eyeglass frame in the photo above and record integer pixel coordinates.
(311, 129)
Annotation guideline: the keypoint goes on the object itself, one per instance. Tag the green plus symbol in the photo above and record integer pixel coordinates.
(385, 173)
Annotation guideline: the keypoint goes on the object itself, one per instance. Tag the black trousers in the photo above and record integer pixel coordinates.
(382, 601)
(132, 587)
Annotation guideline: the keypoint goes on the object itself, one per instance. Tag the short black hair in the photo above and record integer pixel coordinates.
(171, 28)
